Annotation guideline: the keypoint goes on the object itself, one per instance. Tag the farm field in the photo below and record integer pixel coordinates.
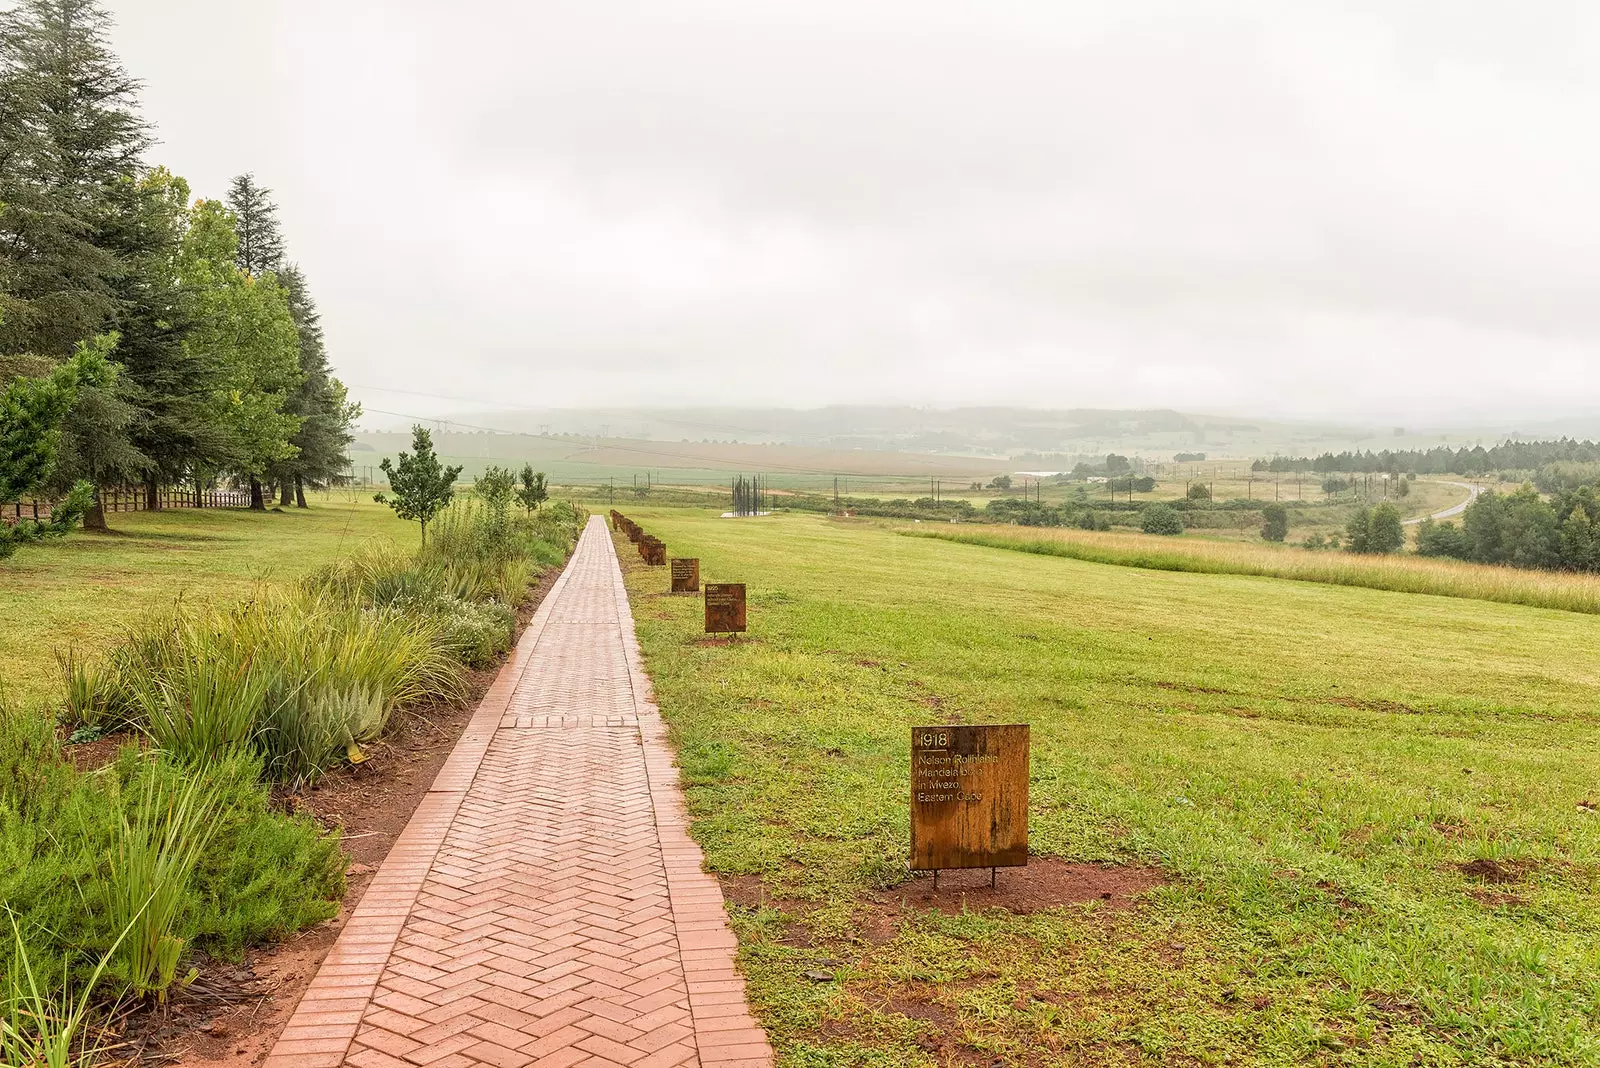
(1333, 825)
(80, 591)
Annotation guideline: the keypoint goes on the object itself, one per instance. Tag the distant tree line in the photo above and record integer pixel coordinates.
(1443, 460)
(179, 342)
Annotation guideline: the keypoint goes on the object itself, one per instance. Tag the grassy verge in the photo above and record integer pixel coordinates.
(1399, 573)
(1330, 778)
(83, 591)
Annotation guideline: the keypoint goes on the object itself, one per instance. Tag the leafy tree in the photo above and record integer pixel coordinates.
(1402, 487)
(70, 135)
(1519, 529)
(1199, 492)
(31, 411)
(95, 447)
(1375, 530)
(533, 492)
(1274, 522)
(1161, 519)
(243, 325)
(420, 485)
(1442, 539)
(1117, 465)
(1001, 482)
(496, 486)
(256, 219)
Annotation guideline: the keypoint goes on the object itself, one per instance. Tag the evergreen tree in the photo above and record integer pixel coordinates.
(1580, 549)
(167, 383)
(70, 135)
(256, 219)
(321, 402)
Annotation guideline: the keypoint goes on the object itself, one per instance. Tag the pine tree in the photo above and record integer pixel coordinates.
(256, 219)
(70, 135)
(321, 402)
(167, 382)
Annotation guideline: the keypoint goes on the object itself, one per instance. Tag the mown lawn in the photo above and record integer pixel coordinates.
(1309, 765)
(81, 591)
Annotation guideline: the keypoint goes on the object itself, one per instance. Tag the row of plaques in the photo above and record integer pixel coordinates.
(969, 784)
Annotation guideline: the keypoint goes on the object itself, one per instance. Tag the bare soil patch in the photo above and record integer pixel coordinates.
(1045, 883)
(235, 1016)
(1490, 871)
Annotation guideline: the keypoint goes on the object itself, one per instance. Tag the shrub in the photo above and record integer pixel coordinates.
(1161, 519)
(1199, 492)
(180, 858)
(1274, 522)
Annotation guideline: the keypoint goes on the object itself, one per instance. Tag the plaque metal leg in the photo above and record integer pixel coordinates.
(993, 872)
(936, 878)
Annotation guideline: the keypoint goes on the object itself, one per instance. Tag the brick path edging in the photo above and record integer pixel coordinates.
(726, 1033)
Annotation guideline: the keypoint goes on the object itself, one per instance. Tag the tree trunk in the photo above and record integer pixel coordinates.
(285, 493)
(257, 503)
(95, 517)
(152, 496)
(299, 492)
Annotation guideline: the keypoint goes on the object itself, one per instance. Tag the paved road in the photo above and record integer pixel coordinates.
(545, 907)
(1455, 509)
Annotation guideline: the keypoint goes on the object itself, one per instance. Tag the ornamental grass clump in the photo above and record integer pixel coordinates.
(157, 846)
(293, 677)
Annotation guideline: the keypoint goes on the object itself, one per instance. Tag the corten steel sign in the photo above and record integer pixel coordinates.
(654, 550)
(685, 574)
(725, 608)
(969, 797)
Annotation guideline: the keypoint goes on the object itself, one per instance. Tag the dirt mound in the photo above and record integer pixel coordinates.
(1489, 871)
(1045, 883)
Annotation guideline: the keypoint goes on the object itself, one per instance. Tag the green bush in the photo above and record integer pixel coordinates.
(82, 854)
(1274, 522)
(1161, 519)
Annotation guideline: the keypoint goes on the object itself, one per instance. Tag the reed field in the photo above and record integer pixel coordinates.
(1365, 823)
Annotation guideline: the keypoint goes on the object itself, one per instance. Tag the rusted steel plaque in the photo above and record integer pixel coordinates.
(725, 608)
(969, 797)
(685, 574)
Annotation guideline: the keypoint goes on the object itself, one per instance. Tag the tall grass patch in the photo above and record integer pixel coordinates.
(1400, 573)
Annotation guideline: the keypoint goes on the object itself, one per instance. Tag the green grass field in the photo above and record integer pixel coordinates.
(1309, 765)
(79, 592)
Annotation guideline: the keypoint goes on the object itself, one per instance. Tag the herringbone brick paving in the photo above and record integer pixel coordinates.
(545, 906)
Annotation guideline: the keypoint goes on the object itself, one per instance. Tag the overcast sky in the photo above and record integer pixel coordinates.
(1381, 209)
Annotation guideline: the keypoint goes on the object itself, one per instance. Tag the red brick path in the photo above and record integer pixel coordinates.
(545, 906)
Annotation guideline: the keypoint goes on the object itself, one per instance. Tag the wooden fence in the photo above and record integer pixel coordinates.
(124, 499)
